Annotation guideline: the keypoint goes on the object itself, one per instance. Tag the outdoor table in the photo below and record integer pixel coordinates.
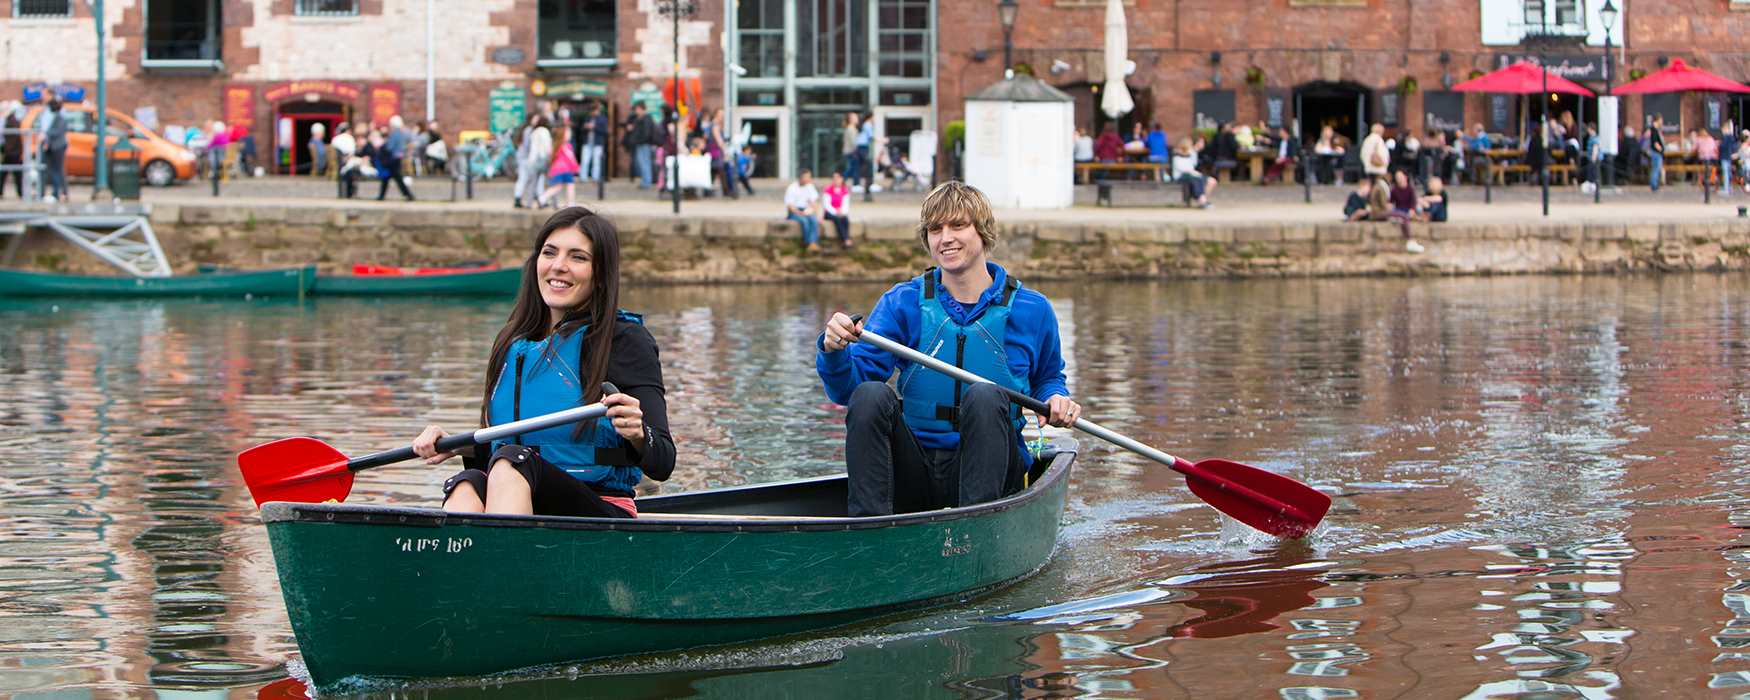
(1256, 158)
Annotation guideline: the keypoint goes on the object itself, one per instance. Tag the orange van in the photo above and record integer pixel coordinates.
(162, 162)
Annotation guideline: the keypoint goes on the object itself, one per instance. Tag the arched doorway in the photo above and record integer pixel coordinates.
(1090, 117)
(1346, 107)
(303, 104)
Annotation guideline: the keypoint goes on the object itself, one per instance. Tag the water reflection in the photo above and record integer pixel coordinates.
(1535, 476)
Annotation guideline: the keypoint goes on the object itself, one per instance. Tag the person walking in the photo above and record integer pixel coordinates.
(532, 161)
(1728, 151)
(1375, 157)
(346, 145)
(848, 147)
(52, 137)
(562, 174)
(640, 139)
(12, 148)
(1656, 152)
(592, 143)
(318, 147)
(865, 140)
(391, 156)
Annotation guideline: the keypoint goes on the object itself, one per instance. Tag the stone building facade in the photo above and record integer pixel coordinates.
(258, 61)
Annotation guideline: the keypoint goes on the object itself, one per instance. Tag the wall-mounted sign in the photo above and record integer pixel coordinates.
(239, 105)
(301, 89)
(1443, 111)
(385, 102)
(576, 89)
(1211, 108)
(1570, 66)
(508, 55)
(1275, 108)
(505, 109)
(1388, 106)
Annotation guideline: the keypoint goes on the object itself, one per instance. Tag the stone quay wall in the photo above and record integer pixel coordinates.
(686, 250)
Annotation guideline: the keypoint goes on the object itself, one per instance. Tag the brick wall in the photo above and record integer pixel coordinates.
(1376, 45)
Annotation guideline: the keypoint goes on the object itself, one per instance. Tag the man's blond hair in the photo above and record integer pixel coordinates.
(955, 202)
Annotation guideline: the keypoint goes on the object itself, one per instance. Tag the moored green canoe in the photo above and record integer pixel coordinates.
(376, 592)
(501, 281)
(288, 282)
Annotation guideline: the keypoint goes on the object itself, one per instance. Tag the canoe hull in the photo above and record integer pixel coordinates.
(377, 592)
(498, 282)
(290, 282)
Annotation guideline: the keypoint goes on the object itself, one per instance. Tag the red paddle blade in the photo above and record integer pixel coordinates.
(1264, 500)
(299, 469)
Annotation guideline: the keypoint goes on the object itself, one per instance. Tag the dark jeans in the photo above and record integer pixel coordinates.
(889, 472)
(55, 171)
(843, 224)
(16, 175)
(394, 167)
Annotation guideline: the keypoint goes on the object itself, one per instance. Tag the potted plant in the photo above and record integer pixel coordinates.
(1408, 85)
(1255, 76)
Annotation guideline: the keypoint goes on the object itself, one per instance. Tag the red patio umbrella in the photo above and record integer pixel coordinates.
(1522, 78)
(1679, 77)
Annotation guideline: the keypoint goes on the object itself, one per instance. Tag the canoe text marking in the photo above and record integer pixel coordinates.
(447, 545)
(953, 546)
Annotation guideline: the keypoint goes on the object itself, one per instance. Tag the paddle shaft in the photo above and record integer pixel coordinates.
(487, 434)
(1187, 468)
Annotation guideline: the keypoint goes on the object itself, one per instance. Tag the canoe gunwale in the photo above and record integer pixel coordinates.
(1065, 450)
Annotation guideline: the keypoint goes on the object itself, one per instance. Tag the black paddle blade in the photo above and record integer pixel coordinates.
(1264, 500)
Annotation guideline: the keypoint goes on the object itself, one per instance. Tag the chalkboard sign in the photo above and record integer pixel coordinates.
(1669, 104)
(1388, 107)
(1501, 114)
(1275, 108)
(1713, 110)
(1211, 108)
(1443, 111)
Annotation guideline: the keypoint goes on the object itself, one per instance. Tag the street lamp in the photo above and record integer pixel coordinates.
(673, 9)
(1607, 13)
(1006, 11)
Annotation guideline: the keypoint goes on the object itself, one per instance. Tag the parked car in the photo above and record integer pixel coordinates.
(162, 162)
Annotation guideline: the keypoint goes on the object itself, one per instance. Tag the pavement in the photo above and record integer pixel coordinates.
(1234, 203)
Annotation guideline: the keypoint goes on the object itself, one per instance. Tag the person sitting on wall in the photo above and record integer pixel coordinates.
(1434, 202)
(1356, 207)
(1197, 185)
(802, 205)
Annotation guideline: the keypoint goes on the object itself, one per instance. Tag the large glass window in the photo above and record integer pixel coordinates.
(904, 38)
(182, 30)
(759, 27)
(325, 8)
(833, 39)
(42, 8)
(578, 32)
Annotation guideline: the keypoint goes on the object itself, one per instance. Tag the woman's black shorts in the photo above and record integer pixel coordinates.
(555, 491)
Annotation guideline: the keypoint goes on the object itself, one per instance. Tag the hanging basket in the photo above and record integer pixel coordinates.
(1255, 76)
(1408, 85)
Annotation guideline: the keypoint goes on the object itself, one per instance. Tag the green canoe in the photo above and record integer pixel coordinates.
(377, 592)
(501, 281)
(291, 282)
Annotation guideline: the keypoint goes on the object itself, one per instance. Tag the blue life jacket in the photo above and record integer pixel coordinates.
(541, 377)
(931, 400)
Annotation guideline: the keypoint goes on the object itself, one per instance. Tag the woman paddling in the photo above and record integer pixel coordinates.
(552, 355)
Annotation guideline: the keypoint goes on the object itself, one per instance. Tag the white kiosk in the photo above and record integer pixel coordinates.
(1020, 141)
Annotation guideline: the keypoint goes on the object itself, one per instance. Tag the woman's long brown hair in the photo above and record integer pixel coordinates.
(530, 317)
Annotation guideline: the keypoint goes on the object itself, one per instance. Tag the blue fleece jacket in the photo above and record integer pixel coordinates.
(1031, 340)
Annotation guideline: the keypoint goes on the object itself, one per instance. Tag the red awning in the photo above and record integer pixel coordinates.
(1680, 77)
(1522, 78)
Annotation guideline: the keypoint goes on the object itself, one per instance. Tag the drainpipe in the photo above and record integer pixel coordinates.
(430, 85)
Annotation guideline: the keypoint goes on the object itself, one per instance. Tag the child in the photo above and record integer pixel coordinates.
(1434, 202)
(744, 167)
(562, 173)
(1355, 209)
(835, 203)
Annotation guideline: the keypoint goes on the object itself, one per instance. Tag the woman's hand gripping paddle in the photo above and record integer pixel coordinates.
(1264, 500)
(307, 470)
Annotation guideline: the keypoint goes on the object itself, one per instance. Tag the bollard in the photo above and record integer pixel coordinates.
(1305, 179)
(1707, 184)
(601, 183)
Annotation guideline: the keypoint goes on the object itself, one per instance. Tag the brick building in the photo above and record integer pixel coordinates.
(1343, 62)
(258, 61)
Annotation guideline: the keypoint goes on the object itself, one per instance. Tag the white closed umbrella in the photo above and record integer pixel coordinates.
(1115, 101)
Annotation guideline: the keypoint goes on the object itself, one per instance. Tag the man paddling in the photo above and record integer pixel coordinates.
(927, 441)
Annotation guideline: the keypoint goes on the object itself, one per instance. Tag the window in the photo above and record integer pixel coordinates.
(42, 8)
(1553, 14)
(325, 8)
(833, 40)
(759, 26)
(576, 33)
(182, 30)
(903, 49)
(78, 121)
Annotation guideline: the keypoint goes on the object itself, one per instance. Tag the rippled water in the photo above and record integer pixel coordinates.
(1543, 487)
